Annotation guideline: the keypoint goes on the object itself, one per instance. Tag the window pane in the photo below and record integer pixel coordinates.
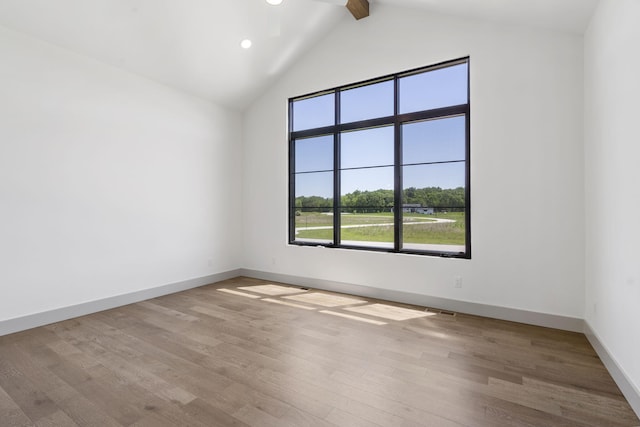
(314, 154)
(359, 181)
(313, 207)
(366, 102)
(440, 175)
(367, 228)
(313, 226)
(443, 231)
(433, 206)
(367, 207)
(434, 89)
(316, 185)
(371, 147)
(314, 112)
(434, 140)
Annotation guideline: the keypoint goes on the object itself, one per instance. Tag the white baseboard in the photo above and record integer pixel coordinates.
(629, 390)
(522, 316)
(56, 315)
(566, 323)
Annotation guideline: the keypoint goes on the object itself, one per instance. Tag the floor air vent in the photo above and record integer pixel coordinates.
(447, 313)
(443, 312)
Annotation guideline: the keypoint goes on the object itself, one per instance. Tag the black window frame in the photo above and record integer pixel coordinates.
(396, 120)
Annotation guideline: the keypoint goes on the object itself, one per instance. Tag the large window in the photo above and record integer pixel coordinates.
(384, 164)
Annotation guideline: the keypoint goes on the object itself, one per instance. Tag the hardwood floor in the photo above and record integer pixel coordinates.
(248, 352)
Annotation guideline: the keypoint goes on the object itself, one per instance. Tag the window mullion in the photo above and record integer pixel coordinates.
(397, 193)
(292, 181)
(337, 239)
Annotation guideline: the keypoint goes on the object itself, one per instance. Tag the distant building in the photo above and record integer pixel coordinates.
(417, 208)
(411, 207)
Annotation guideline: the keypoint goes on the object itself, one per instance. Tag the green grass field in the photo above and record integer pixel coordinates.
(418, 228)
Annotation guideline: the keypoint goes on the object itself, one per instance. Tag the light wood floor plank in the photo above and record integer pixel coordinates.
(208, 358)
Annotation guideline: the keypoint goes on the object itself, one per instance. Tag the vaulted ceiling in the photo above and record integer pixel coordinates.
(194, 45)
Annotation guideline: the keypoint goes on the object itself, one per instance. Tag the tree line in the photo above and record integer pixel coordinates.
(382, 200)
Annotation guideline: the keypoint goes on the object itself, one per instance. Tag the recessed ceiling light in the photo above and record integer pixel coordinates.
(274, 2)
(245, 44)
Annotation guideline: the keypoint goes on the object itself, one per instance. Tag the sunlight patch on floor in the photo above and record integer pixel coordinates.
(290, 304)
(302, 298)
(242, 294)
(325, 300)
(389, 312)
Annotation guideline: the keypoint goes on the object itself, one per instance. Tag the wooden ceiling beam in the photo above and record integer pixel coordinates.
(358, 8)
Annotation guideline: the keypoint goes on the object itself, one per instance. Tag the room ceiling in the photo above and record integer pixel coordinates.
(194, 45)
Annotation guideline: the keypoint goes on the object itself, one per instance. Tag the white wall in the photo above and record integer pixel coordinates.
(109, 183)
(612, 150)
(527, 162)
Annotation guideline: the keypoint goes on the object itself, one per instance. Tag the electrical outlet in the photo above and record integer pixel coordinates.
(458, 282)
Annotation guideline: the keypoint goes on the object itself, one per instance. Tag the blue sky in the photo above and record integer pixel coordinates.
(441, 140)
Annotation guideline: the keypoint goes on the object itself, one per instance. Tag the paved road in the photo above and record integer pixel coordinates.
(330, 227)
